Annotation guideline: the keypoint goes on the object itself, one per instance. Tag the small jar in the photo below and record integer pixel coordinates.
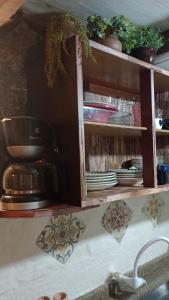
(158, 118)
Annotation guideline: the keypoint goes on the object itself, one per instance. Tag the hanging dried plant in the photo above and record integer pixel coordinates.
(59, 28)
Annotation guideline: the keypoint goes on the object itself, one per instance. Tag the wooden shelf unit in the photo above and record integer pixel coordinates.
(118, 74)
(121, 75)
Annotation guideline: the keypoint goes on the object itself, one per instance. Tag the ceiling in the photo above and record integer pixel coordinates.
(139, 11)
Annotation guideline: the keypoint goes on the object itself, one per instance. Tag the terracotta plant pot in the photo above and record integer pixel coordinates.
(146, 54)
(113, 42)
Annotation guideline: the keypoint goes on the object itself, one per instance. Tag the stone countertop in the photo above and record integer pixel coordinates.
(155, 272)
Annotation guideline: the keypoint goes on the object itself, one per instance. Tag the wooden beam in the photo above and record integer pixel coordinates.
(8, 8)
(101, 89)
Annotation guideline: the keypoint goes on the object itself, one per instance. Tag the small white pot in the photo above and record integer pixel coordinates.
(157, 123)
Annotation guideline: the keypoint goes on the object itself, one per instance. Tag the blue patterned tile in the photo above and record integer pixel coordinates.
(117, 218)
(153, 209)
(60, 236)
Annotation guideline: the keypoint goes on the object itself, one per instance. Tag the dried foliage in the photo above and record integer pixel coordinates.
(59, 28)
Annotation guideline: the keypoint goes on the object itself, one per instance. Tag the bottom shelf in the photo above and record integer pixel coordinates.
(120, 193)
(51, 210)
(92, 200)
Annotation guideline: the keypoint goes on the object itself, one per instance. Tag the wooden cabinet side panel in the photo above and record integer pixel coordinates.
(67, 113)
(148, 137)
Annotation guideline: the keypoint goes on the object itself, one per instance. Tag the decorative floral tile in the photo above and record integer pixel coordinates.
(60, 236)
(117, 218)
(153, 209)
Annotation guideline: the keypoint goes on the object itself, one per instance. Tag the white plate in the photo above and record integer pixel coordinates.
(101, 179)
(126, 171)
(131, 175)
(101, 182)
(100, 187)
(102, 174)
(104, 183)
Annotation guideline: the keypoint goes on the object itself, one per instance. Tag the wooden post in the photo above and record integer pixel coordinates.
(67, 112)
(149, 136)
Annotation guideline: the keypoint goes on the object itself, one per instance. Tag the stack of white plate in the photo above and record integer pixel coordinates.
(100, 180)
(129, 177)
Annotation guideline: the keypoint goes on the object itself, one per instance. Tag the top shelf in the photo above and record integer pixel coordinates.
(128, 58)
(122, 71)
(113, 129)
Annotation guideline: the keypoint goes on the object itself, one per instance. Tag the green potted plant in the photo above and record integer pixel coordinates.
(125, 31)
(148, 40)
(100, 30)
(59, 28)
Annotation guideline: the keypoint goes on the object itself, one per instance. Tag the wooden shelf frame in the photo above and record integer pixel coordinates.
(117, 72)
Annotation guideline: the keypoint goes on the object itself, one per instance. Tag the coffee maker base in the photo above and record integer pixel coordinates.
(22, 203)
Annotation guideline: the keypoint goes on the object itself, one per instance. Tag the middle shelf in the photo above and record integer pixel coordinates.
(113, 129)
(119, 130)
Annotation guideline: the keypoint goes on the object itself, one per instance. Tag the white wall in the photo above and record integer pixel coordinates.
(26, 272)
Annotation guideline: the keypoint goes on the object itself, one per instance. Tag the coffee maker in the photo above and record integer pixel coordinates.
(24, 178)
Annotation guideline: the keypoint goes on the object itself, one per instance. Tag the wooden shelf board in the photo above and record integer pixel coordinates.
(162, 132)
(49, 211)
(113, 129)
(101, 89)
(120, 55)
(93, 199)
(120, 193)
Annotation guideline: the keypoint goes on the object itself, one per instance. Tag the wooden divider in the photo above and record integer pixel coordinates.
(148, 136)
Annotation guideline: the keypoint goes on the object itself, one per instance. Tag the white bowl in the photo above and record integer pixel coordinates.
(130, 181)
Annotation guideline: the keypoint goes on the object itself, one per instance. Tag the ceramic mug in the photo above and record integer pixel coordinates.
(158, 123)
(60, 296)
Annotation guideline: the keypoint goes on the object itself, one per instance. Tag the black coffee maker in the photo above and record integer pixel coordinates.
(24, 178)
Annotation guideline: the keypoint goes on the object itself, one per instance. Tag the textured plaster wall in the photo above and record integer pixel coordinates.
(27, 272)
